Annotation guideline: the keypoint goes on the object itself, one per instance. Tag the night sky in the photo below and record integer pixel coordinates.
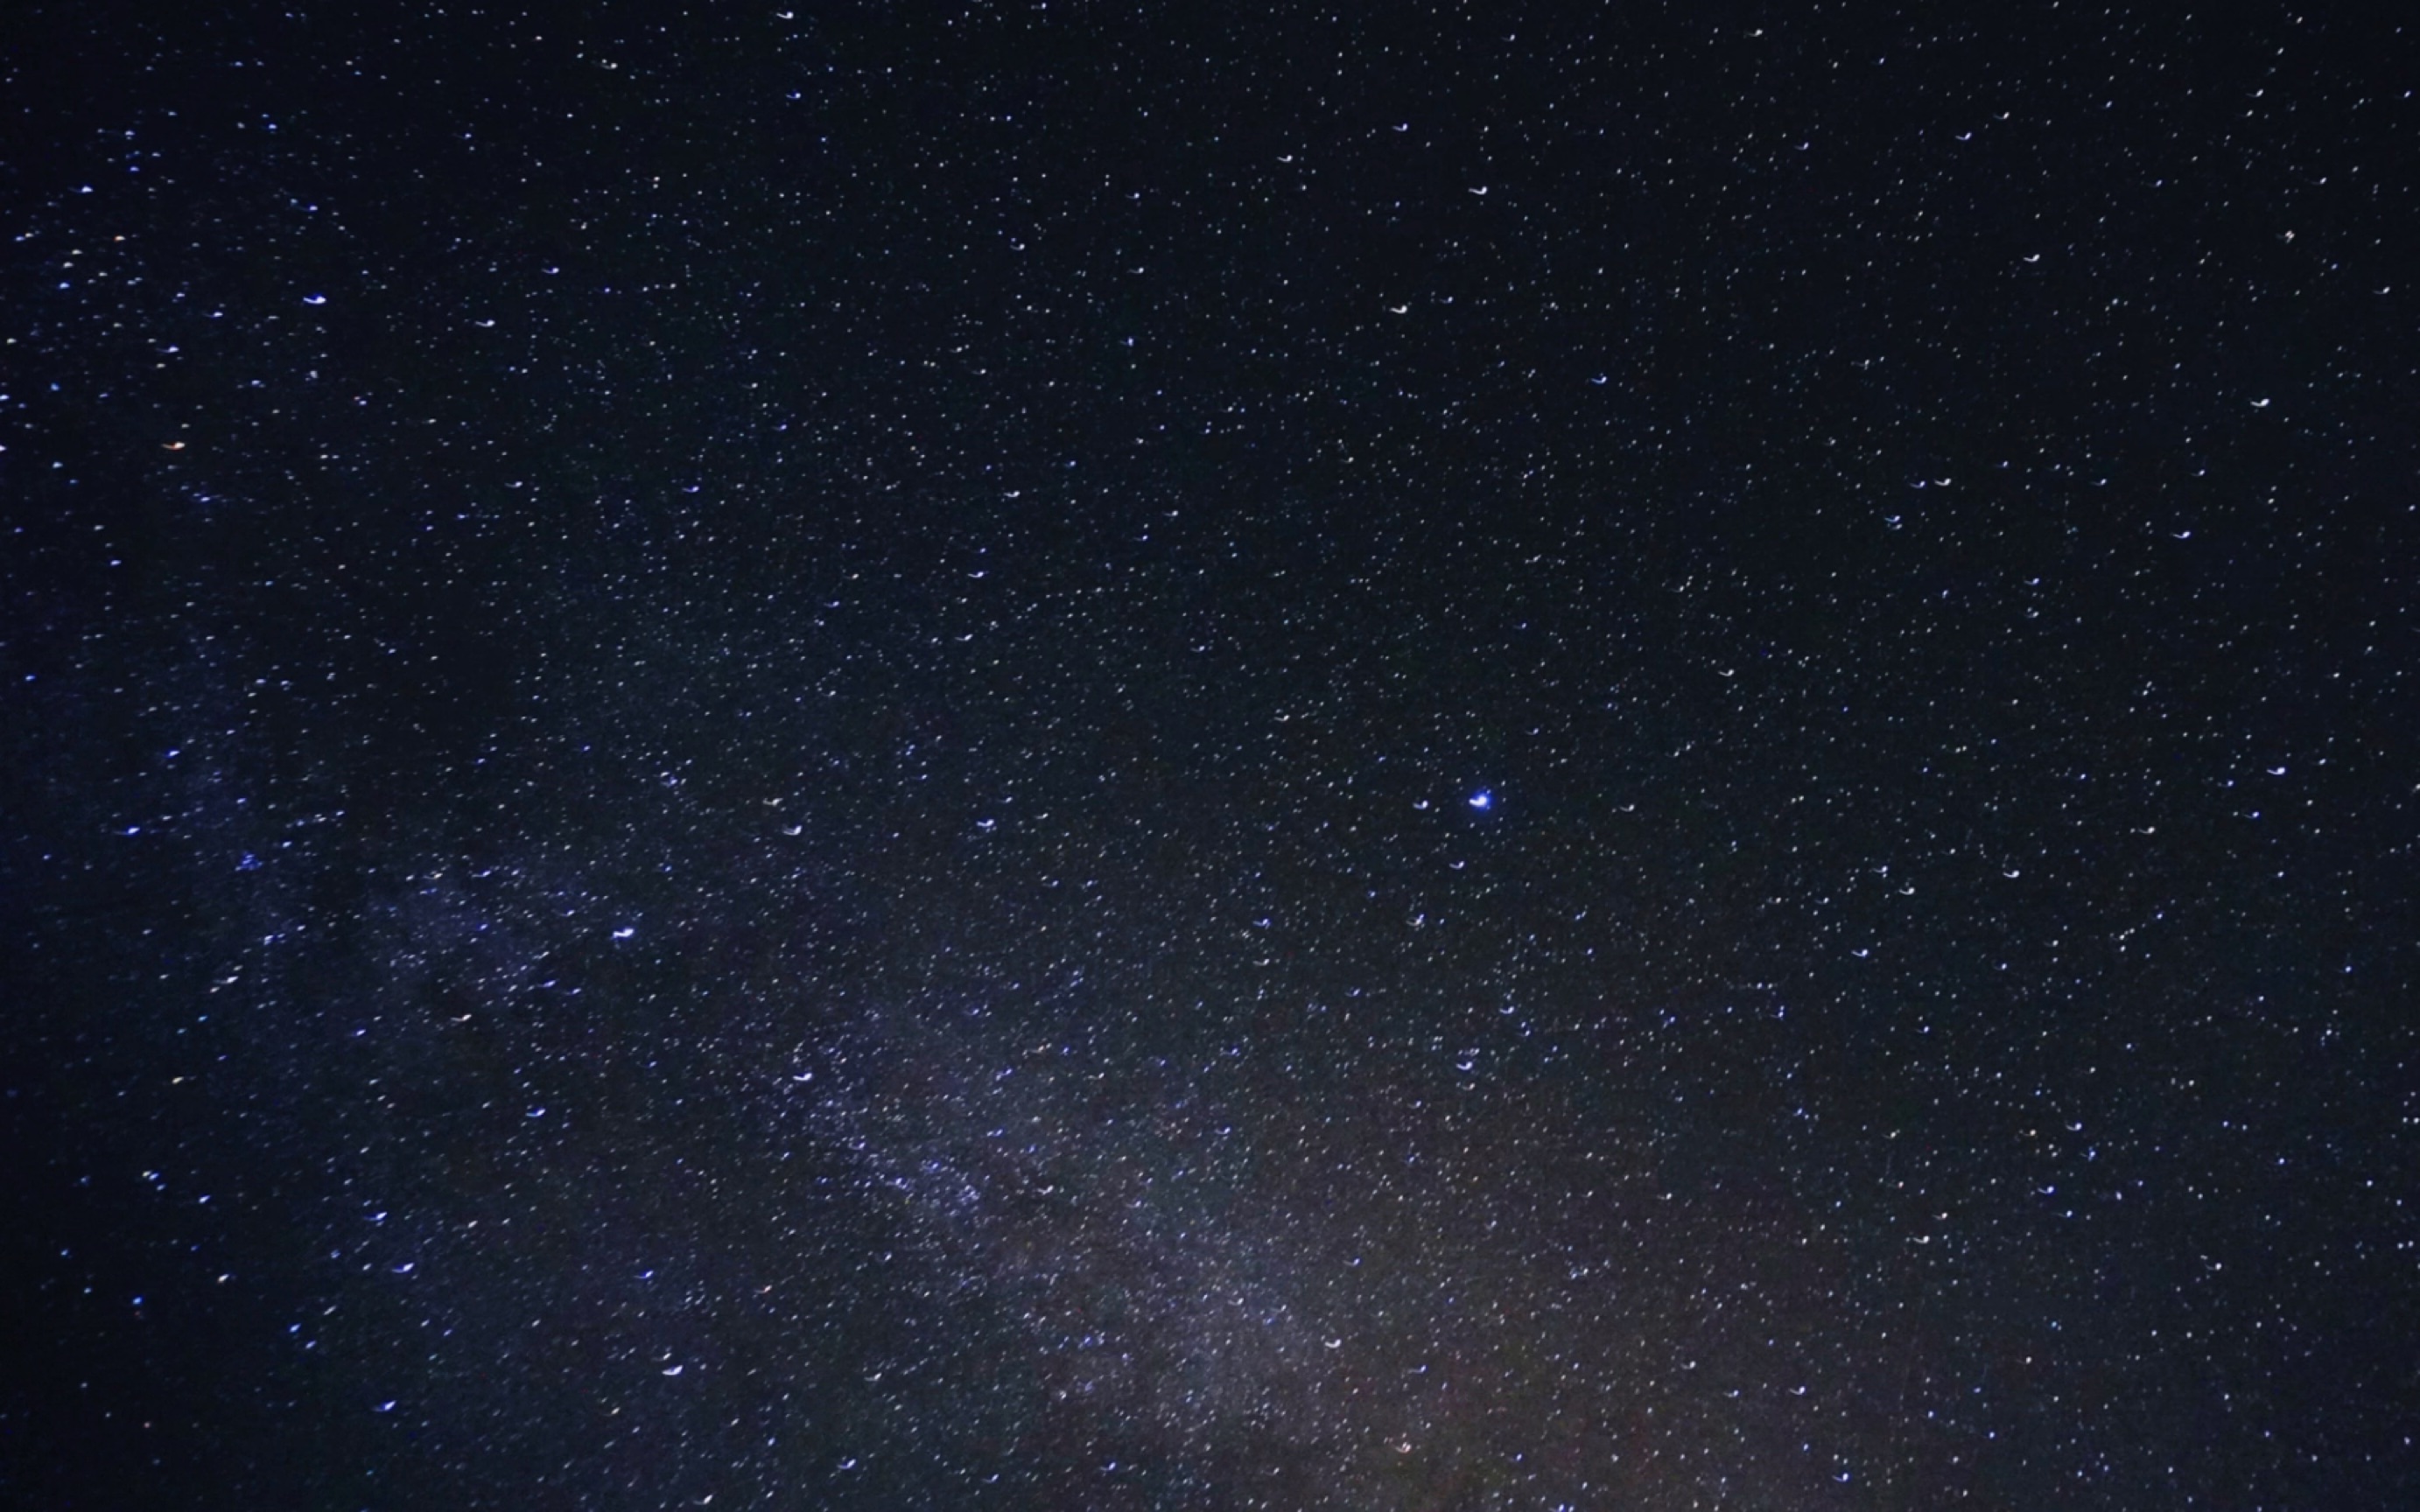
(1066, 757)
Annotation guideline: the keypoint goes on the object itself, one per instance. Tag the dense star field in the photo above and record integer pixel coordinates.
(1070, 757)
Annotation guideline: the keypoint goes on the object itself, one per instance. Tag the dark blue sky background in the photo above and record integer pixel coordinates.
(741, 739)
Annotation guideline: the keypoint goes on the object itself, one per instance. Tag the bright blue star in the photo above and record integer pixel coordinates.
(1482, 800)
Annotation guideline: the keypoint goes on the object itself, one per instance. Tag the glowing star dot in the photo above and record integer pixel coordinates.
(1482, 800)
